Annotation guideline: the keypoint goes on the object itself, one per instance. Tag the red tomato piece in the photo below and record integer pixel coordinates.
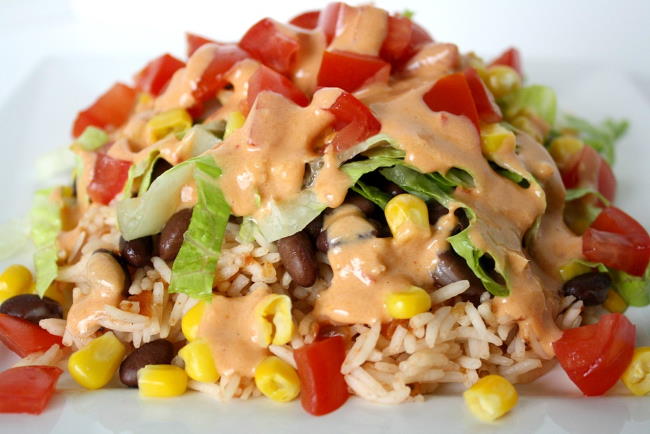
(27, 389)
(23, 337)
(108, 178)
(607, 181)
(306, 20)
(323, 388)
(353, 122)
(618, 241)
(350, 71)
(266, 42)
(511, 58)
(154, 77)
(328, 20)
(487, 108)
(452, 94)
(403, 39)
(194, 42)
(267, 79)
(595, 356)
(591, 170)
(110, 110)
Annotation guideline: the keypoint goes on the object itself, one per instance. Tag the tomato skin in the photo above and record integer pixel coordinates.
(27, 389)
(108, 178)
(607, 181)
(403, 39)
(590, 170)
(194, 42)
(350, 71)
(595, 356)
(109, 111)
(511, 58)
(487, 109)
(452, 94)
(328, 19)
(268, 44)
(23, 337)
(353, 122)
(307, 20)
(157, 73)
(323, 388)
(266, 79)
(618, 241)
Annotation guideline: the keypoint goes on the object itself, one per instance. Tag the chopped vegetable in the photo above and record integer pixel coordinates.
(353, 122)
(502, 80)
(407, 217)
(171, 121)
(403, 39)
(602, 138)
(614, 302)
(199, 363)
(406, 304)
(452, 94)
(234, 122)
(266, 42)
(541, 100)
(109, 178)
(510, 58)
(24, 338)
(306, 20)
(156, 74)
(27, 389)
(266, 79)
(92, 138)
(328, 19)
(46, 225)
(110, 110)
(194, 42)
(273, 320)
(350, 71)
(637, 375)
(94, 365)
(277, 379)
(487, 109)
(491, 397)
(191, 321)
(14, 280)
(162, 381)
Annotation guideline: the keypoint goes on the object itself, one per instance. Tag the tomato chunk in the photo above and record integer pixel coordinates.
(267, 79)
(618, 241)
(328, 20)
(353, 122)
(110, 110)
(319, 368)
(156, 74)
(511, 58)
(350, 71)
(487, 109)
(108, 178)
(194, 42)
(595, 356)
(403, 39)
(452, 94)
(266, 42)
(306, 20)
(27, 389)
(23, 337)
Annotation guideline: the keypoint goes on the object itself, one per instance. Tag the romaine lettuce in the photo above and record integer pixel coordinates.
(600, 137)
(46, 225)
(541, 100)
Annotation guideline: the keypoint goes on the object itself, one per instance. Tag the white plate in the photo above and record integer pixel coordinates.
(37, 119)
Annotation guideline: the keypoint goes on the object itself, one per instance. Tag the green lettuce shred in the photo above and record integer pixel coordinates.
(46, 225)
(634, 290)
(372, 193)
(577, 193)
(541, 100)
(142, 169)
(92, 138)
(600, 137)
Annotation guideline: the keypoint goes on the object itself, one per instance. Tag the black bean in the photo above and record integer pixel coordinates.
(452, 268)
(591, 288)
(322, 243)
(436, 211)
(158, 352)
(366, 206)
(298, 258)
(393, 189)
(171, 237)
(314, 227)
(137, 252)
(160, 166)
(31, 307)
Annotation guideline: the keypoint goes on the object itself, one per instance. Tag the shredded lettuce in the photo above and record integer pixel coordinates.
(541, 100)
(194, 268)
(92, 138)
(372, 193)
(634, 290)
(142, 169)
(421, 185)
(577, 193)
(600, 137)
(46, 225)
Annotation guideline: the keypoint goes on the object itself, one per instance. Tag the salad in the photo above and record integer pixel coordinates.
(337, 206)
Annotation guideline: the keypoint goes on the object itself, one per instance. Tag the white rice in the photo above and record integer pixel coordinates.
(448, 292)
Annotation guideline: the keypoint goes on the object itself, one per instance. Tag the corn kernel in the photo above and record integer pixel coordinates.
(614, 302)
(407, 217)
(172, 121)
(563, 149)
(491, 397)
(637, 375)
(502, 80)
(277, 379)
(234, 122)
(15, 280)
(199, 363)
(407, 304)
(191, 321)
(94, 365)
(495, 138)
(273, 320)
(524, 123)
(162, 381)
(573, 269)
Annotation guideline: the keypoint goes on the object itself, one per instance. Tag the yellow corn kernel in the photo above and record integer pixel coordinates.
(234, 122)
(573, 269)
(162, 381)
(614, 302)
(273, 320)
(172, 121)
(495, 138)
(637, 375)
(144, 98)
(94, 365)
(563, 149)
(491, 397)
(191, 321)
(199, 363)
(277, 379)
(14, 280)
(524, 123)
(407, 216)
(407, 304)
(501, 80)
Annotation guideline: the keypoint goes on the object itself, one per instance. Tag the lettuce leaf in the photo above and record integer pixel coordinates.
(421, 185)
(635, 290)
(141, 169)
(371, 193)
(577, 193)
(46, 225)
(92, 138)
(600, 137)
(541, 100)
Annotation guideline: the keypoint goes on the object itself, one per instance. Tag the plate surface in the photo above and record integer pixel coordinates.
(37, 119)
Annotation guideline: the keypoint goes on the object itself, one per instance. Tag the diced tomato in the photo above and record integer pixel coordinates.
(23, 337)
(487, 108)
(307, 20)
(154, 77)
(267, 79)
(323, 388)
(591, 170)
(452, 94)
(606, 181)
(266, 42)
(27, 389)
(110, 110)
(194, 42)
(618, 241)
(353, 122)
(403, 39)
(595, 356)
(350, 71)
(328, 20)
(511, 58)
(108, 178)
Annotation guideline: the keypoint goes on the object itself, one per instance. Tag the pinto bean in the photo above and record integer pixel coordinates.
(158, 352)
(591, 288)
(297, 255)
(171, 237)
